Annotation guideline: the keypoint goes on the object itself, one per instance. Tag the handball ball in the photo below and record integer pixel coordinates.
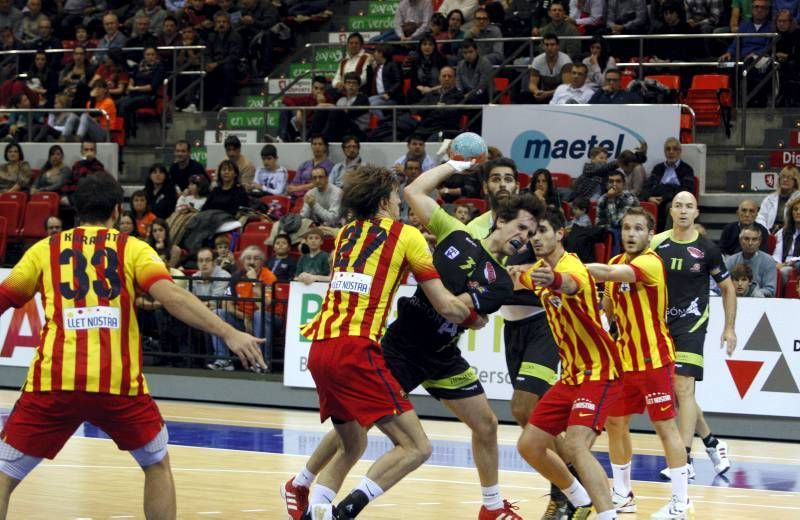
(468, 146)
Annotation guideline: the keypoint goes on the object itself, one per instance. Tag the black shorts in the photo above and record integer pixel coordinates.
(689, 354)
(531, 354)
(443, 373)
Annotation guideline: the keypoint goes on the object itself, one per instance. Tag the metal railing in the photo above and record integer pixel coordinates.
(31, 111)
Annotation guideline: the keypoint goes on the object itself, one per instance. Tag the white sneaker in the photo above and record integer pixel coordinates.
(191, 109)
(665, 472)
(623, 503)
(221, 364)
(320, 512)
(719, 457)
(674, 510)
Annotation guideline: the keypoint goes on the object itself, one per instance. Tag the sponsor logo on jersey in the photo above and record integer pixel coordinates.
(657, 398)
(696, 268)
(624, 287)
(693, 309)
(452, 252)
(583, 404)
(85, 318)
(489, 272)
(696, 253)
(662, 246)
(555, 301)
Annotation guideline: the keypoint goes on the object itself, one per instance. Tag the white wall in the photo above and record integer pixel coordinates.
(36, 154)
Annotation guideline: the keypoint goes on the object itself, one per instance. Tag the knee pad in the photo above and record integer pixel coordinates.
(14, 463)
(154, 451)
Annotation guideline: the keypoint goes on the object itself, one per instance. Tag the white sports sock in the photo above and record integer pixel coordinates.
(491, 497)
(369, 488)
(611, 514)
(304, 478)
(622, 478)
(321, 495)
(577, 494)
(680, 482)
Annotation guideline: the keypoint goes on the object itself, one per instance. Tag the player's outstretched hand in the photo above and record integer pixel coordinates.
(543, 275)
(247, 348)
(728, 340)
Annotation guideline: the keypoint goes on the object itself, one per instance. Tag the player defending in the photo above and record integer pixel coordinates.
(690, 259)
(88, 364)
(636, 297)
(579, 402)
(354, 386)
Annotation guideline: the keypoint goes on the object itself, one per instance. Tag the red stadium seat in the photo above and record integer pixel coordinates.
(708, 96)
(252, 239)
(3, 238)
(561, 180)
(283, 200)
(50, 197)
(567, 209)
(20, 197)
(650, 208)
(524, 180)
(501, 86)
(600, 253)
(790, 291)
(779, 289)
(11, 212)
(479, 204)
(328, 243)
(33, 223)
(156, 110)
(593, 211)
(261, 226)
(772, 241)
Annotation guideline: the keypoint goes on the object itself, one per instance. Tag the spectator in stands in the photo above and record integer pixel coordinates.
(762, 264)
(473, 74)
(82, 38)
(631, 164)
(426, 66)
(463, 213)
(771, 213)
(184, 167)
(77, 12)
(228, 195)
(356, 60)
(741, 10)
(594, 175)
(745, 216)
(86, 165)
(155, 15)
(15, 174)
(611, 207)
(91, 128)
(54, 173)
(113, 37)
(47, 40)
(195, 195)
(752, 49)
(542, 186)
(127, 224)
(53, 225)
(10, 16)
(611, 93)
(302, 182)
(334, 125)
(162, 194)
(582, 235)
(160, 241)
(114, 71)
(415, 149)
(141, 213)
(787, 246)
(351, 147)
(75, 78)
(223, 50)
(253, 282)
(270, 178)
(559, 26)
(411, 19)
(580, 213)
(169, 36)
(455, 19)
(742, 278)
(224, 255)
(668, 179)
(481, 29)
(142, 90)
(587, 15)
(199, 16)
(627, 17)
(281, 263)
(141, 36)
(314, 263)
(387, 85)
(787, 52)
(599, 60)
(9, 42)
(436, 122)
(467, 9)
(578, 91)
(545, 73)
(292, 123)
(257, 17)
(203, 285)
(31, 17)
(703, 15)
(411, 169)
(191, 60)
(43, 79)
(16, 127)
(322, 203)
(233, 151)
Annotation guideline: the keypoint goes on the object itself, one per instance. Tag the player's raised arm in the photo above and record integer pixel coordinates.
(612, 273)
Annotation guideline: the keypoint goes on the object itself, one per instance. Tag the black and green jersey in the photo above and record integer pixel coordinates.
(464, 266)
(689, 265)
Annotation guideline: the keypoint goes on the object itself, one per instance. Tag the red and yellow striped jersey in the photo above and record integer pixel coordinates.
(370, 259)
(88, 277)
(640, 309)
(587, 351)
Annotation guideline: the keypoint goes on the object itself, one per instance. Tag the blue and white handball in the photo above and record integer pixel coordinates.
(468, 146)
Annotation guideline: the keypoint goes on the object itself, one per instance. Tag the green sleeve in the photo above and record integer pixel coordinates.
(659, 238)
(441, 224)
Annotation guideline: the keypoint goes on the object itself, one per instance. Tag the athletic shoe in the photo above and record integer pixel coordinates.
(665, 473)
(504, 513)
(579, 513)
(623, 503)
(674, 510)
(295, 498)
(221, 364)
(556, 508)
(719, 457)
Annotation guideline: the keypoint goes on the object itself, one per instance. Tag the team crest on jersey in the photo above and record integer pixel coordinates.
(452, 252)
(696, 268)
(555, 301)
(489, 272)
(624, 287)
(696, 253)
(477, 287)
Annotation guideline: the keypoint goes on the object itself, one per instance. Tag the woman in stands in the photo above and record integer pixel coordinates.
(772, 212)
(15, 174)
(74, 79)
(127, 224)
(598, 61)
(228, 195)
(141, 213)
(43, 79)
(455, 19)
(160, 241)
(142, 89)
(162, 195)
(115, 71)
(542, 186)
(54, 173)
(787, 247)
(425, 65)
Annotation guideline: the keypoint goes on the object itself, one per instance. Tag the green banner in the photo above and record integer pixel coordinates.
(382, 8)
(254, 101)
(245, 120)
(273, 117)
(371, 23)
(296, 69)
(328, 54)
(199, 154)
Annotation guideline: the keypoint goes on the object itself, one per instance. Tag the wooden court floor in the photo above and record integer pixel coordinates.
(91, 479)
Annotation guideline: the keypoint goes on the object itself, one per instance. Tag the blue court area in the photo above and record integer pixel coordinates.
(743, 474)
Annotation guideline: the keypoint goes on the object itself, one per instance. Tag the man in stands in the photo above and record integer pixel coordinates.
(291, 123)
(53, 225)
(473, 74)
(257, 16)
(85, 166)
(112, 39)
(483, 28)
(745, 216)
(612, 92)
(223, 50)
(578, 91)
(545, 74)
(356, 60)
(612, 205)
(247, 170)
(411, 20)
(559, 26)
(667, 179)
(351, 147)
(322, 203)
(703, 15)
(209, 291)
(415, 146)
(141, 36)
(764, 267)
(155, 15)
(47, 40)
(352, 120)
(184, 166)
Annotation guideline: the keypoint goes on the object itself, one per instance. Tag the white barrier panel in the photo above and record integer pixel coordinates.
(483, 349)
(107, 153)
(559, 137)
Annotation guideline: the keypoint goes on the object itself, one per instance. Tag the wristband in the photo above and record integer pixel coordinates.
(472, 318)
(557, 281)
(459, 166)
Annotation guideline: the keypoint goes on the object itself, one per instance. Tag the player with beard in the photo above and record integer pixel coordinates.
(635, 297)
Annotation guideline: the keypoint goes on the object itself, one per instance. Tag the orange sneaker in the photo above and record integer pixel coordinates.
(504, 513)
(295, 498)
